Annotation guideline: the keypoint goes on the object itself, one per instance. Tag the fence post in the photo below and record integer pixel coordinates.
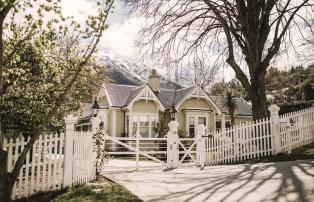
(70, 121)
(200, 145)
(173, 145)
(137, 148)
(275, 128)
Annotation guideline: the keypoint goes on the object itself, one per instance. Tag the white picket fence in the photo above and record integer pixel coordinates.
(260, 138)
(43, 168)
(239, 143)
(300, 132)
(61, 160)
(54, 161)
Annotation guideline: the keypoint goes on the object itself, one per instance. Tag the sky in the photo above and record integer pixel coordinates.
(120, 39)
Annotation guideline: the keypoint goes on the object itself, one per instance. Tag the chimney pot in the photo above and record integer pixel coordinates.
(154, 81)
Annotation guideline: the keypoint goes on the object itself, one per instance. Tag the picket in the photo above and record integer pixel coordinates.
(59, 160)
(257, 139)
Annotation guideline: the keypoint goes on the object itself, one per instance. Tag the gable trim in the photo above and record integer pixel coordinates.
(189, 95)
(107, 96)
(151, 93)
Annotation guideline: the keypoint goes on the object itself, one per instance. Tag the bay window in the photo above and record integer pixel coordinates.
(145, 123)
(194, 120)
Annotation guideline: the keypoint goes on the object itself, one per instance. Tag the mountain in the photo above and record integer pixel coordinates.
(124, 72)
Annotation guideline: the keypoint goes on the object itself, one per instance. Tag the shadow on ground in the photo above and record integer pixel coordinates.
(281, 181)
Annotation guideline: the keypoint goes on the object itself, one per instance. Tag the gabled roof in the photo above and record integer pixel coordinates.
(243, 108)
(168, 97)
(123, 95)
(118, 94)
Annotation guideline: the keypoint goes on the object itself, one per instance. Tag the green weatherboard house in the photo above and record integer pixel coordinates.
(125, 108)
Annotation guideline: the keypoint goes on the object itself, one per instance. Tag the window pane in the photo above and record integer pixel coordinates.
(144, 126)
(202, 120)
(191, 126)
(228, 124)
(191, 121)
(153, 125)
(127, 124)
(191, 131)
(144, 121)
(218, 124)
(134, 126)
(144, 132)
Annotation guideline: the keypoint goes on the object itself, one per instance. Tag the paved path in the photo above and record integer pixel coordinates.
(283, 181)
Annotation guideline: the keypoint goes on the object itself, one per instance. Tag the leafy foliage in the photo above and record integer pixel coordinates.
(230, 104)
(99, 148)
(220, 88)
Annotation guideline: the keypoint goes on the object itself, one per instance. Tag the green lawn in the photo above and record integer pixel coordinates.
(109, 191)
(305, 152)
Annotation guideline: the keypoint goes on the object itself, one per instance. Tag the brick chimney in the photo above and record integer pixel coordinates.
(154, 80)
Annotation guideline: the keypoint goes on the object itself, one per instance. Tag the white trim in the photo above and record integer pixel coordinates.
(138, 114)
(151, 96)
(205, 96)
(107, 96)
(196, 116)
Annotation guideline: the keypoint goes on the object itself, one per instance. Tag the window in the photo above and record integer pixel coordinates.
(153, 125)
(144, 126)
(191, 127)
(193, 121)
(144, 122)
(202, 120)
(218, 125)
(134, 125)
(127, 125)
(228, 124)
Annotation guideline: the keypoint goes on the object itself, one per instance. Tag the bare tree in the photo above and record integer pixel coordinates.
(247, 34)
(201, 74)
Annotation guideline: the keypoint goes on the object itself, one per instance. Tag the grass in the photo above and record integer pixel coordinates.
(110, 191)
(302, 153)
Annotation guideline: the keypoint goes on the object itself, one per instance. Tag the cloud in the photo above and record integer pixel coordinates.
(120, 39)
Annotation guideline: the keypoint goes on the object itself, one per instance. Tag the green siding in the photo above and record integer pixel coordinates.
(103, 101)
(194, 103)
(142, 106)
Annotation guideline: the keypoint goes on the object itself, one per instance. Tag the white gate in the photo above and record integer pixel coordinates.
(136, 151)
(170, 151)
(83, 169)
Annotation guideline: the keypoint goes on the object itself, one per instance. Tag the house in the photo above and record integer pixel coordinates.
(124, 108)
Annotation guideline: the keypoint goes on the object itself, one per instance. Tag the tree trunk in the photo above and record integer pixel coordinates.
(6, 183)
(258, 96)
(255, 90)
(232, 119)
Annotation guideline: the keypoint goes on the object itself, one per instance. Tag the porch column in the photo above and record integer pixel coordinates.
(223, 122)
(131, 122)
(214, 121)
(114, 127)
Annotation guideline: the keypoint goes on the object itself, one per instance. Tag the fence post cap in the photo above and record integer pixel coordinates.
(70, 119)
(274, 108)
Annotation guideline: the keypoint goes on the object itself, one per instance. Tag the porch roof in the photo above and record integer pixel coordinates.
(243, 108)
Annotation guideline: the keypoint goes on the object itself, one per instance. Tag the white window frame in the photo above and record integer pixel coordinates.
(150, 118)
(195, 115)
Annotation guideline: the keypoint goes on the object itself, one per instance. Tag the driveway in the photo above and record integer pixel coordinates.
(282, 181)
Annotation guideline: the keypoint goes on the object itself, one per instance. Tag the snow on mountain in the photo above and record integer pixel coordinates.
(127, 73)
